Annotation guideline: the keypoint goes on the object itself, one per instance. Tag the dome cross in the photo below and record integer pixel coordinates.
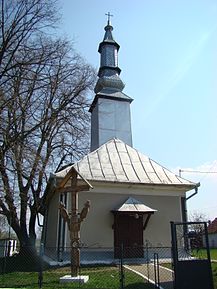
(109, 16)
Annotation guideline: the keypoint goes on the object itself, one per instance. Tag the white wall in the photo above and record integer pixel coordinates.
(52, 222)
(97, 230)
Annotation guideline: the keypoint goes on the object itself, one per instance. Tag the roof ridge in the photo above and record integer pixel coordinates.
(110, 161)
(116, 140)
(127, 149)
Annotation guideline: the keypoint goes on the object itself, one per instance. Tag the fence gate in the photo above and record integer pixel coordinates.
(191, 256)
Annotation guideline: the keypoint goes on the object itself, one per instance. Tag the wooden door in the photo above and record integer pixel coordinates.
(128, 230)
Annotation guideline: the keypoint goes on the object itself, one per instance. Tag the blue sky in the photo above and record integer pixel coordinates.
(168, 58)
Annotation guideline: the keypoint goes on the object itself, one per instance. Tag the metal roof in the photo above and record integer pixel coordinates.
(115, 161)
(133, 205)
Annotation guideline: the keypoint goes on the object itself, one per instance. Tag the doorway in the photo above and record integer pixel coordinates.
(128, 234)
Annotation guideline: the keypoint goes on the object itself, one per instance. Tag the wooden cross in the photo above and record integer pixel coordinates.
(74, 219)
(109, 15)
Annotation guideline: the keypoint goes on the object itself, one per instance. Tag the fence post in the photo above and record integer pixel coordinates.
(4, 260)
(156, 270)
(147, 257)
(121, 268)
(40, 271)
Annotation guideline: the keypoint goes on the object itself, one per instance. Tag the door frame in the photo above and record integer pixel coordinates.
(130, 250)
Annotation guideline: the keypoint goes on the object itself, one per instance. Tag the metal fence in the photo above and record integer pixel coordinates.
(138, 267)
(191, 255)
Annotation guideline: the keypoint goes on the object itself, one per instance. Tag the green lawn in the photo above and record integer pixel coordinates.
(100, 277)
(201, 253)
(214, 274)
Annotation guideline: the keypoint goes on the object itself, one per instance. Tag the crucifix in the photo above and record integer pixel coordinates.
(109, 16)
(74, 219)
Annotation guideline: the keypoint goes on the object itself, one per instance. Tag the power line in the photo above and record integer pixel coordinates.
(197, 172)
(200, 172)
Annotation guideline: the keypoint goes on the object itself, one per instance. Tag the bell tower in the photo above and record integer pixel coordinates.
(110, 109)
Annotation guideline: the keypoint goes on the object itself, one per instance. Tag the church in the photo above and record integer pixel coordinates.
(133, 198)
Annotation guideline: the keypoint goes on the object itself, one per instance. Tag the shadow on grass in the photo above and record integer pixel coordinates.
(22, 264)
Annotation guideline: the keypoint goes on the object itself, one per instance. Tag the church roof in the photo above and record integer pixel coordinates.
(117, 162)
(110, 94)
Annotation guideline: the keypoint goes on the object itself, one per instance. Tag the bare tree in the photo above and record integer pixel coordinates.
(197, 217)
(44, 121)
(20, 21)
(197, 228)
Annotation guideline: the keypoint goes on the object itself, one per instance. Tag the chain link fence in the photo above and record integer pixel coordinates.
(134, 267)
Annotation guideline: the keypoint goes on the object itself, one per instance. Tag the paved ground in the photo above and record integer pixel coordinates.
(147, 271)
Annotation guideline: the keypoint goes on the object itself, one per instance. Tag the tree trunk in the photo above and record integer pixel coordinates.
(27, 245)
(26, 242)
(32, 221)
(27, 249)
(28, 258)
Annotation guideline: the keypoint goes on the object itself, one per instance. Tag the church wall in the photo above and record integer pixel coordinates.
(97, 230)
(94, 128)
(168, 209)
(52, 222)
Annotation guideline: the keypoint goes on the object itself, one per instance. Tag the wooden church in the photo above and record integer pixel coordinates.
(133, 198)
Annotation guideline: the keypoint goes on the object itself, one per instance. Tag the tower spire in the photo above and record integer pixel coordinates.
(110, 109)
(109, 71)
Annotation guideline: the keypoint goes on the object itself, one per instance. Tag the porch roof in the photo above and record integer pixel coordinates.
(133, 205)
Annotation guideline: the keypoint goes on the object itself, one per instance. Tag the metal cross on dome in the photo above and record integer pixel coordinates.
(109, 16)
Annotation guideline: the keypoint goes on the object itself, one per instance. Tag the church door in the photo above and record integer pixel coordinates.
(128, 232)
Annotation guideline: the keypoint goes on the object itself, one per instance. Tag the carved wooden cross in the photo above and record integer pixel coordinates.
(74, 221)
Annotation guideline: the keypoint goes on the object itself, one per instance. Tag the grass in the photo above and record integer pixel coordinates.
(201, 253)
(100, 277)
(214, 274)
